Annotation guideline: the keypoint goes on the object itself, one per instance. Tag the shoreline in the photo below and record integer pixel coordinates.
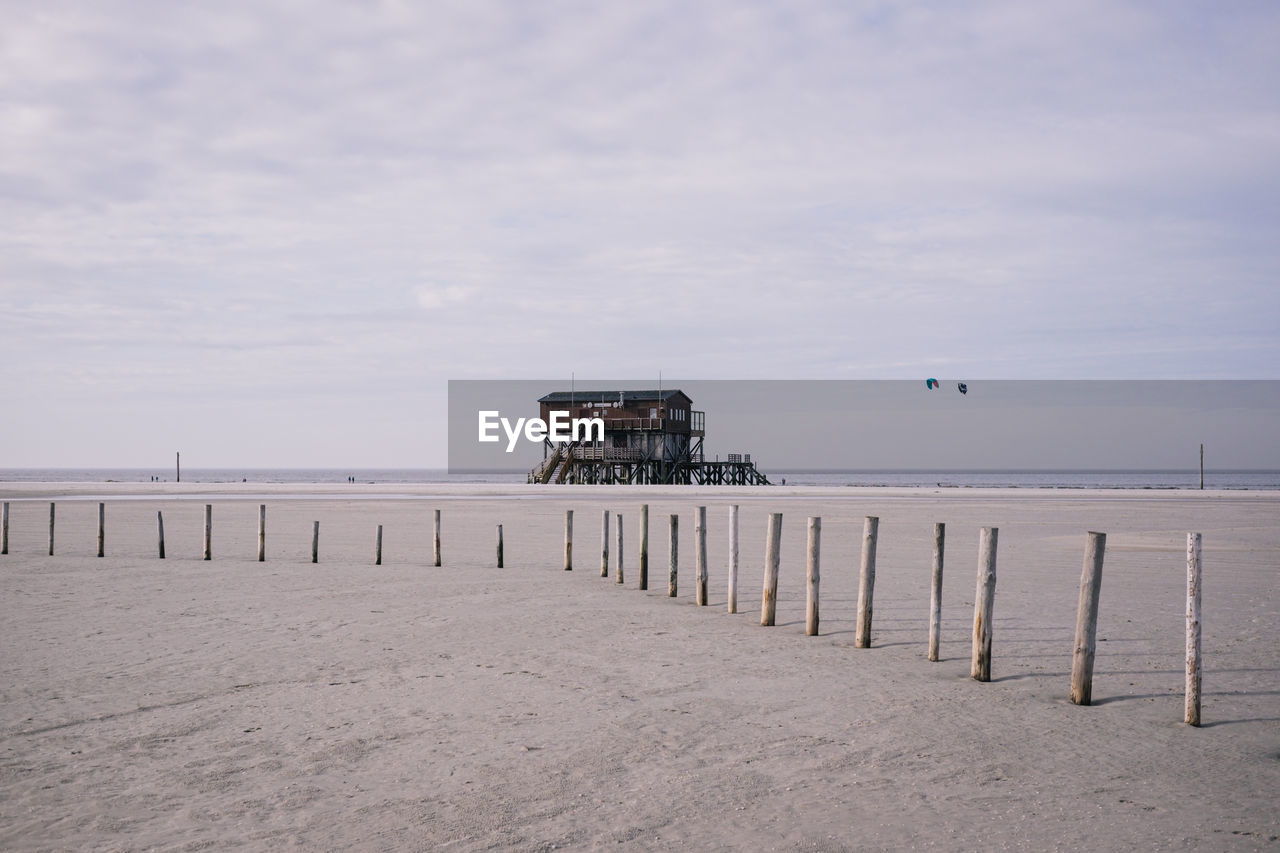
(95, 490)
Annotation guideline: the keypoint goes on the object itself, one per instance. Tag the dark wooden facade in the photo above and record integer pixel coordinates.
(649, 437)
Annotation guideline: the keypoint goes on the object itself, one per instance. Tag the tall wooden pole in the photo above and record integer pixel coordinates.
(674, 569)
(262, 533)
(1192, 716)
(604, 543)
(769, 596)
(160, 532)
(935, 596)
(102, 528)
(435, 536)
(700, 556)
(315, 543)
(208, 531)
(499, 546)
(1087, 619)
(1202, 467)
(984, 605)
(644, 546)
(177, 463)
(51, 512)
(733, 559)
(568, 540)
(812, 577)
(866, 582)
(618, 578)
(4, 529)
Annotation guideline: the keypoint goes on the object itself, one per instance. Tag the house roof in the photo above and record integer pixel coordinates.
(584, 397)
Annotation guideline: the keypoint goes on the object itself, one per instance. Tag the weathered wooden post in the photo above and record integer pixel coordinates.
(435, 536)
(4, 529)
(700, 556)
(568, 540)
(51, 511)
(866, 581)
(604, 543)
(618, 549)
(262, 533)
(499, 546)
(160, 532)
(102, 529)
(935, 596)
(377, 548)
(644, 546)
(733, 559)
(812, 577)
(773, 541)
(1087, 619)
(675, 556)
(983, 605)
(315, 543)
(1193, 630)
(208, 531)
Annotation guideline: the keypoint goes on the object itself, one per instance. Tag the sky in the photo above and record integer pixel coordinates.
(268, 233)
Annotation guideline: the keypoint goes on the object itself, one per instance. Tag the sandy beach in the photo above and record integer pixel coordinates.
(184, 704)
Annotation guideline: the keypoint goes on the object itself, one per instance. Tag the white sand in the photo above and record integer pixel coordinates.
(183, 704)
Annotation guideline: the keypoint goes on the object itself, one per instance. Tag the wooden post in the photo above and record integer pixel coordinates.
(178, 464)
(51, 511)
(773, 540)
(160, 532)
(700, 556)
(1202, 467)
(1087, 619)
(935, 597)
(733, 559)
(675, 556)
(1193, 630)
(315, 543)
(812, 577)
(644, 546)
(208, 531)
(4, 529)
(377, 549)
(568, 540)
(604, 544)
(618, 579)
(866, 582)
(499, 546)
(262, 533)
(102, 528)
(435, 537)
(983, 605)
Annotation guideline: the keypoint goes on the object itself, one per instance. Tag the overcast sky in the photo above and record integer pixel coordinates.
(267, 233)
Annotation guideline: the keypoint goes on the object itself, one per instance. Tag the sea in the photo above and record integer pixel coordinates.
(1004, 479)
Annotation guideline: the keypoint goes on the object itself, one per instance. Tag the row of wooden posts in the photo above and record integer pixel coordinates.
(207, 551)
(984, 601)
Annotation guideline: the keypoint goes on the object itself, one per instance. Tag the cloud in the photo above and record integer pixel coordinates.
(437, 296)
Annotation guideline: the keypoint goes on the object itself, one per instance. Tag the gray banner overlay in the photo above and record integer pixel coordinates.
(910, 424)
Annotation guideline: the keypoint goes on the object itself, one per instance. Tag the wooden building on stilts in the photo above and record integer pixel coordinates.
(649, 437)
